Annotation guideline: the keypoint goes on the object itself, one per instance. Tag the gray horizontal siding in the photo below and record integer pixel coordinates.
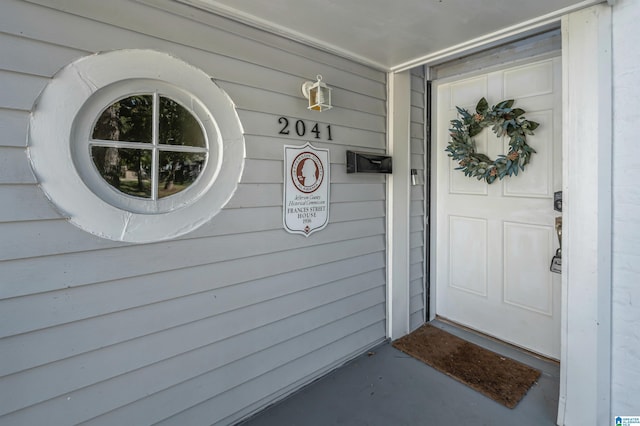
(41, 384)
(267, 101)
(261, 195)
(14, 166)
(13, 126)
(268, 39)
(100, 307)
(237, 397)
(271, 171)
(165, 32)
(256, 376)
(48, 272)
(417, 208)
(287, 92)
(26, 56)
(270, 147)
(28, 203)
(19, 91)
(262, 124)
(216, 324)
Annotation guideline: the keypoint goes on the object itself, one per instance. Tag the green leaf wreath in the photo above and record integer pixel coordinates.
(505, 121)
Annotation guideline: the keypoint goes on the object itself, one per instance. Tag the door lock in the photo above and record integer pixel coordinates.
(557, 201)
(556, 261)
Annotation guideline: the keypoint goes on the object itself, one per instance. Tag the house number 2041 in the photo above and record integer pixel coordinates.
(300, 128)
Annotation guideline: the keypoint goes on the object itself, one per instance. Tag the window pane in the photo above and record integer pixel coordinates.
(127, 170)
(178, 126)
(128, 120)
(178, 170)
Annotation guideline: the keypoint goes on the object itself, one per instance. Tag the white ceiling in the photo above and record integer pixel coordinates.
(390, 34)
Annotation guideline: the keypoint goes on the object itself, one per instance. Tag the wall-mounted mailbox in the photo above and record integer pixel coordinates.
(366, 162)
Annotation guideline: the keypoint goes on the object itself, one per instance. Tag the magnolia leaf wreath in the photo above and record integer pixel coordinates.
(505, 121)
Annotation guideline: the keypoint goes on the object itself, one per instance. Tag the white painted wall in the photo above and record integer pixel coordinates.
(626, 209)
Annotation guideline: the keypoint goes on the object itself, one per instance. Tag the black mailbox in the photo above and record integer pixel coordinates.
(366, 162)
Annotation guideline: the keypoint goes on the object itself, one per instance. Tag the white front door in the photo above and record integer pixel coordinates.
(494, 242)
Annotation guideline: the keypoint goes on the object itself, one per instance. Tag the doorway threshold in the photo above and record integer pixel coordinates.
(501, 347)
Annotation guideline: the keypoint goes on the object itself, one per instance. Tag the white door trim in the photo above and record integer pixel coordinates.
(398, 203)
(585, 388)
(585, 369)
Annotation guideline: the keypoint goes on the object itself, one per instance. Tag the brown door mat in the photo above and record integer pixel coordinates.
(501, 379)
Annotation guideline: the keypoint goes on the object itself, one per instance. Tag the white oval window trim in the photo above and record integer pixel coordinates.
(65, 110)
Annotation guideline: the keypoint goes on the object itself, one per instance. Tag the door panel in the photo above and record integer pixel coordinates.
(468, 268)
(528, 285)
(494, 242)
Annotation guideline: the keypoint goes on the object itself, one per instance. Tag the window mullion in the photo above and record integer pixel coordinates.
(182, 148)
(119, 144)
(155, 160)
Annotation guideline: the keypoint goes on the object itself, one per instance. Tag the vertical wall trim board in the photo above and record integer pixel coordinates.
(585, 370)
(398, 203)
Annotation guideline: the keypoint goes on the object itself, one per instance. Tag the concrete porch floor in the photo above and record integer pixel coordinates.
(391, 388)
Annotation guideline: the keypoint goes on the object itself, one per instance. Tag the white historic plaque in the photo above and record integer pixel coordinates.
(306, 189)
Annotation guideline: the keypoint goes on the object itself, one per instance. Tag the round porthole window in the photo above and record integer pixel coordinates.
(137, 161)
(150, 159)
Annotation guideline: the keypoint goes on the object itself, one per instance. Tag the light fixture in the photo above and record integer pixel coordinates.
(318, 93)
(417, 177)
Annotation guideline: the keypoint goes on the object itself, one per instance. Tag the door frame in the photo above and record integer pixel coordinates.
(585, 369)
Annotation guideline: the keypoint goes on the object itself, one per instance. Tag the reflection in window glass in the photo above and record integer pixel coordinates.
(178, 170)
(178, 126)
(127, 170)
(139, 162)
(127, 120)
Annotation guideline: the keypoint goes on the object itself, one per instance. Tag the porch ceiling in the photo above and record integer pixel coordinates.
(388, 34)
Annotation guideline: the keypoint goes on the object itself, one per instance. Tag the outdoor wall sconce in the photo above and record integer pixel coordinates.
(318, 93)
(417, 177)
(365, 162)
